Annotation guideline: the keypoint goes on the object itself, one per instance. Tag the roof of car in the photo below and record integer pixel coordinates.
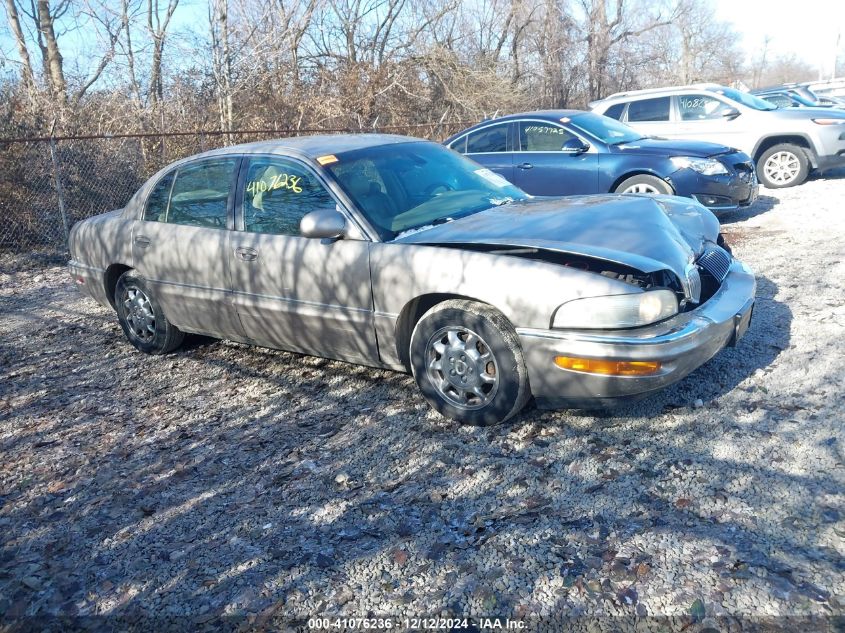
(542, 114)
(548, 115)
(648, 91)
(313, 146)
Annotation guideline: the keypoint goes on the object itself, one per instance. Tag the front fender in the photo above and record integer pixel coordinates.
(527, 292)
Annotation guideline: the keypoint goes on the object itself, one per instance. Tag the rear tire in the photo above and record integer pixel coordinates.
(643, 183)
(781, 166)
(468, 363)
(142, 318)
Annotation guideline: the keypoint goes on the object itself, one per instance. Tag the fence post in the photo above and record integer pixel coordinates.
(59, 191)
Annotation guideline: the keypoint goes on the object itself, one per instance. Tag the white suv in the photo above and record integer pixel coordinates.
(784, 143)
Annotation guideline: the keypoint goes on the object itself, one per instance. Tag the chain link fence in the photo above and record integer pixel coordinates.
(49, 183)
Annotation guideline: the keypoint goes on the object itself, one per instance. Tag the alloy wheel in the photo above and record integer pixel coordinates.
(641, 187)
(139, 314)
(782, 167)
(461, 366)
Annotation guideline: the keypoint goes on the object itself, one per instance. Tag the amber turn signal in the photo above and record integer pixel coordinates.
(608, 367)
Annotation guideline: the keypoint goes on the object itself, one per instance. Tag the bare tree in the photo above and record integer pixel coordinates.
(157, 26)
(218, 17)
(27, 75)
(53, 60)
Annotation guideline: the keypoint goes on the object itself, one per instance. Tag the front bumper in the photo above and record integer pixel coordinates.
(720, 194)
(681, 344)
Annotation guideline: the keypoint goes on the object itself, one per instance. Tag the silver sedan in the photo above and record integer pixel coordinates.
(398, 253)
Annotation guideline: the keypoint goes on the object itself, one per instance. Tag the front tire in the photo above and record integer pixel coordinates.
(468, 363)
(142, 318)
(783, 165)
(643, 183)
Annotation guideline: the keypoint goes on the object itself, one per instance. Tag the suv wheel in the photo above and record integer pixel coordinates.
(783, 165)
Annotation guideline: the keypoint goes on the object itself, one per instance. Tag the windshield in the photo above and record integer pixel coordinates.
(401, 187)
(744, 98)
(605, 129)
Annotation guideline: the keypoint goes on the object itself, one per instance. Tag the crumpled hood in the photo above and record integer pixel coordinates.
(648, 233)
(667, 147)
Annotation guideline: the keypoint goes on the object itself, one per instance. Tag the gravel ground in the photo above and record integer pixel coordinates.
(225, 480)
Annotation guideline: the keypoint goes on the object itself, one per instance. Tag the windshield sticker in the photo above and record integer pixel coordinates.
(278, 181)
(328, 159)
(492, 177)
(416, 229)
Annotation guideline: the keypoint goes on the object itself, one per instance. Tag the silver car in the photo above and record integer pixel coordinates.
(785, 143)
(399, 253)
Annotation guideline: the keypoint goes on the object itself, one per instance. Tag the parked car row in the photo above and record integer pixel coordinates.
(785, 144)
(569, 152)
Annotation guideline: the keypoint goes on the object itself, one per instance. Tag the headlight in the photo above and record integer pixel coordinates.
(617, 311)
(706, 166)
(828, 121)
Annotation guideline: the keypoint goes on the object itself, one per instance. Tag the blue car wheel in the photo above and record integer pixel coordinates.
(643, 183)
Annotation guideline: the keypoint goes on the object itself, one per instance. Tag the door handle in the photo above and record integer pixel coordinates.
(246, 254)
(142, 241)
(525, 166)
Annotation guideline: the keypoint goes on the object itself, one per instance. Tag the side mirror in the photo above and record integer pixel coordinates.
(731, 113)
(323, 223)
(575, 146)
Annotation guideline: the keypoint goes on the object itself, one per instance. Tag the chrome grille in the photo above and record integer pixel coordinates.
(693, 284)
(716, 261)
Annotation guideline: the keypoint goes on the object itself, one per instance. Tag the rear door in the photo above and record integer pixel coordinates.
(652, 117)
(543, 168)
(305, 295)
(180, 245)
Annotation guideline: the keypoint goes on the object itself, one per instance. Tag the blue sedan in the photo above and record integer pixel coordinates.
(571, 152)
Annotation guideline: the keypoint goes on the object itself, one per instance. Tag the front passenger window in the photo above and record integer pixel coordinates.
(542, 137)
(278, 193)
(700, 108)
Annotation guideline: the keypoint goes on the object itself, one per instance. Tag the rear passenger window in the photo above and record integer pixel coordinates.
(649, 110)
(460, 145)
(615, 111)
(200, 195)
(490, 139)
(156, 210)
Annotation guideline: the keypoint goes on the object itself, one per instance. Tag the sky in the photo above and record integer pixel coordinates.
(807, 28)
